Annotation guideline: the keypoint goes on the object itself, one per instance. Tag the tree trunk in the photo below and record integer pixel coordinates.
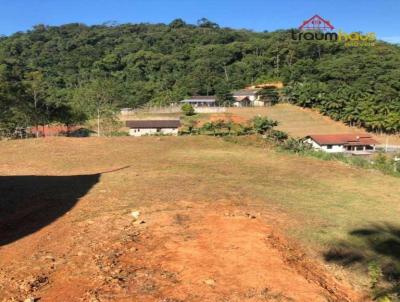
(226, 74)
(36, 115)
(277, 63)
(98, 122)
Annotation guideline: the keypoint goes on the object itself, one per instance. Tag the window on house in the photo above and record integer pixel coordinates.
(329, 146)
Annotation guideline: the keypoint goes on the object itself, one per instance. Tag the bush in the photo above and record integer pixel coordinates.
(119, 133)
(262, 124)
(383, 163)
(360, 162)
(188, 109)
(278, 136)
(189, 126)
(296, 145)
(81, 132)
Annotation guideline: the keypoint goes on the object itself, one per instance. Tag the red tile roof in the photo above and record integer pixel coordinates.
(343, 139)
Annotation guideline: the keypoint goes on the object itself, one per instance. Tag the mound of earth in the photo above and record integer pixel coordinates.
(170, 252)
(228, 118)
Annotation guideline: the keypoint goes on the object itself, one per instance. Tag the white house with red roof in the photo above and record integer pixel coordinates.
(359, 144)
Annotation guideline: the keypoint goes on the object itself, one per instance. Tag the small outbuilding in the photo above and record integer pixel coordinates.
(153, 127)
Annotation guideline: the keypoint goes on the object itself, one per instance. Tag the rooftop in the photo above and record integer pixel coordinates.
(343, 139)
(199, 98)
(140, 124)
(246, 92)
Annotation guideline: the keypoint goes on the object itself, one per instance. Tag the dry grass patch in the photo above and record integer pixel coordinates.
(322, 201)
(300, 122)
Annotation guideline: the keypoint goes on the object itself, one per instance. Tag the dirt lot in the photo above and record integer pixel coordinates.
(219, 221)
(180, 251)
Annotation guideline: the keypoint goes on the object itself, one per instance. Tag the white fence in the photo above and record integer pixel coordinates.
(209, 109)
(170, 109)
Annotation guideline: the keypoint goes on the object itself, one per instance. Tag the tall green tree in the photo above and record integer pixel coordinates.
(98, 99)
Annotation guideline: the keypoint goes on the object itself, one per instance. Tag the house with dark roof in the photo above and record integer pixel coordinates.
(357, 144)
(200, 101)
(153, 127)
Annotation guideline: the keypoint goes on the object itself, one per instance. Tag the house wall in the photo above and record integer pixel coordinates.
(258, 103)
(254, 101)
(200, 104)
(153, 131)
(209, 109)
(242, 104)
(334, 148)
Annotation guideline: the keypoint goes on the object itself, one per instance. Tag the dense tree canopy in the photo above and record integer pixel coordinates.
(42, 71)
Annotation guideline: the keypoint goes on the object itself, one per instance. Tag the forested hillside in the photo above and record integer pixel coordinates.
(74, 72)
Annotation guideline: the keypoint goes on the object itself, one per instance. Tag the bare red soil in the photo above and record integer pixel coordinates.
(228, 118)
(173, 252)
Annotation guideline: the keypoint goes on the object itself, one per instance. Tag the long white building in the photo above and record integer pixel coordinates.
(153, 127)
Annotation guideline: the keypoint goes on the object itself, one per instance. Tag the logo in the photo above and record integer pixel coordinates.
(319, 29)
(316, 23)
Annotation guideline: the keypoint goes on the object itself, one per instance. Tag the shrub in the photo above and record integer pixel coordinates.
(81, 132)
(278, 136)
(262, 124)
(384, 164)
(296, 145)
(360, 162)
(119, 133)
(188, 109)
(189, 127)
(239, 129)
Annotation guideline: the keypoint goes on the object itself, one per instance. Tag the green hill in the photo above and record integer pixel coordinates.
(51, 73)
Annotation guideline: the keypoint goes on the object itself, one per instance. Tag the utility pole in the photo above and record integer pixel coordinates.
(387, 142)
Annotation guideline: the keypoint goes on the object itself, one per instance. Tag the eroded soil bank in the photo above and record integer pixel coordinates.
(181, 251)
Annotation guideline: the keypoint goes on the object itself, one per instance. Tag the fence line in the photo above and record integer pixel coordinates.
(177, 109)
(388, 148)
(171, 109)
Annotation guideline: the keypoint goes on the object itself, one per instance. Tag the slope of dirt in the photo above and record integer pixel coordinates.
(174, 252)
